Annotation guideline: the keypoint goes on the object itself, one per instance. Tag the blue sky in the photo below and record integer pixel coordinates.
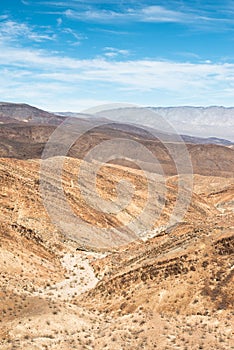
(72, 55)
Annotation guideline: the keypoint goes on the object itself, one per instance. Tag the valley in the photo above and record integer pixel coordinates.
(159, 286)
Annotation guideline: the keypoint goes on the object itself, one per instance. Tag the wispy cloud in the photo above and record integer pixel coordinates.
(109, 31)
(76, 35)
(113, 52)
(199, 16)
(131, 75)
(145, 14)
(12, 31)
(160, 14)
(23, 33)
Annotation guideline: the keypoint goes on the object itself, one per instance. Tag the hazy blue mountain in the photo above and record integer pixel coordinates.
(214, 121)
(208, 124)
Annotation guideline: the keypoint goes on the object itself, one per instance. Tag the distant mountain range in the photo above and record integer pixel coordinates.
(207, 124)
(197, 125)
(212, 121)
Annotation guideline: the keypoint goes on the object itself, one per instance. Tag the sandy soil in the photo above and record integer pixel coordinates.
(79, 276)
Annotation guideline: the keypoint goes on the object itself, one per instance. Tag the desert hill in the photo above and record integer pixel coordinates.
(26, 139)
(149, 285)
(171, 289)
(23, 113)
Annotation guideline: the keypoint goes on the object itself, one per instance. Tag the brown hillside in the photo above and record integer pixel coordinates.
(173, 290)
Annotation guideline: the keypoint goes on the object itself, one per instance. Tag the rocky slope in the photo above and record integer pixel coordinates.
(173, 290)
(28, 141)
(17, 112)
(146, 286)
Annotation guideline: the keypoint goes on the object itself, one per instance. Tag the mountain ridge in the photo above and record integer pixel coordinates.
(15, 113)
(212, 122)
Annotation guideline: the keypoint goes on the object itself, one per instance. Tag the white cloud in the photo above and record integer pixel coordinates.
(76, 35)
(160, 14)
(135, 75)
(146, 14)
(112, 52)
(201, 16)
(138, 81)
(12, 31)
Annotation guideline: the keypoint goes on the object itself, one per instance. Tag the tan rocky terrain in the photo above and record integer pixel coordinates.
(171, 291)
(164, 287)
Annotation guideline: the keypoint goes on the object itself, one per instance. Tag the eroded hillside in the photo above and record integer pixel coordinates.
(170, 288)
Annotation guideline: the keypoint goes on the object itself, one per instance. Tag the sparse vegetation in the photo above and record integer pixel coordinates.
(172, 291)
